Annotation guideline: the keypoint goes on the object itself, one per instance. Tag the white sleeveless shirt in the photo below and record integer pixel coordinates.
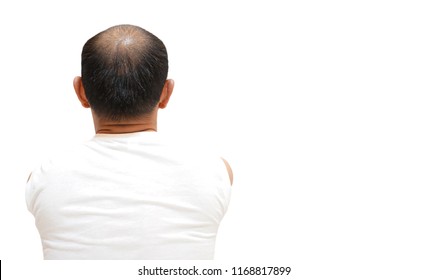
(129, 196)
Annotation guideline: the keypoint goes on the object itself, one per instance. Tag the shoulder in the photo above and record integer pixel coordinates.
(59, 160)
(198, 151)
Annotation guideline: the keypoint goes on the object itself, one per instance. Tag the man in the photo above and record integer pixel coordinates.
(128, 193)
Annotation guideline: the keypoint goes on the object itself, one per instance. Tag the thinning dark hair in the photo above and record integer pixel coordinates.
(124, 69)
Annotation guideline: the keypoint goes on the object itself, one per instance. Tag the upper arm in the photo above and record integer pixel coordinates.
(229, 170)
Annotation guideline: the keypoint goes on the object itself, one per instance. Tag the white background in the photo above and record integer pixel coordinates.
(319, 106)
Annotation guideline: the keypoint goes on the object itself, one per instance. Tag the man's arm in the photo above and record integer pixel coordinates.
(230, 172)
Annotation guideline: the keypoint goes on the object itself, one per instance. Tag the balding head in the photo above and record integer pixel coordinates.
(124, 69)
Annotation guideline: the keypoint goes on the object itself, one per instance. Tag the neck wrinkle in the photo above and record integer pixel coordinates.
(123, 128)
(128, 126)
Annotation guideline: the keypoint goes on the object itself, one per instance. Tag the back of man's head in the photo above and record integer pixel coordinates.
(124, 69)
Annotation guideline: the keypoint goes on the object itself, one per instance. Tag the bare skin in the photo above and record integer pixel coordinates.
(146, 123)
(229, 170)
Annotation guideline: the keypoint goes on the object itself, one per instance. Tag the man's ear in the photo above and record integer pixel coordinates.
(166, 93)
(80, 91)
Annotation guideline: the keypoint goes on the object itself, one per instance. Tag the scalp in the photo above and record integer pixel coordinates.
(122, 46)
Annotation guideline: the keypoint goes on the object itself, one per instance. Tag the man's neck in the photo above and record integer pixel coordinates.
(123, 128)
(148, 123)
